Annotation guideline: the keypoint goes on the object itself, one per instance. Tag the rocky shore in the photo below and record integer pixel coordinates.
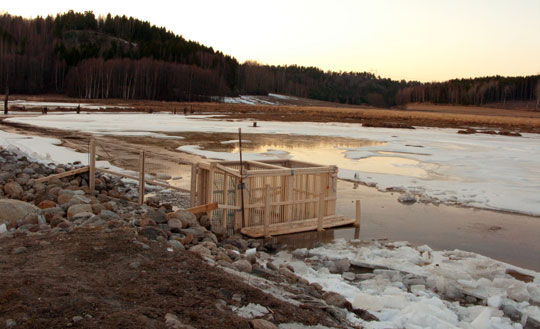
(35, 214)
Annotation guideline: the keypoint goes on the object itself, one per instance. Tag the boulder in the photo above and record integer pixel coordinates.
(243, 265)
(175, 225)
(78, 208)
(189, 219)
(13, 190)
(12, 211)
(201, 251)
(108, 215)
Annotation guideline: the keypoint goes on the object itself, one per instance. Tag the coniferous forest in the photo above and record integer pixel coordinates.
(84, 56)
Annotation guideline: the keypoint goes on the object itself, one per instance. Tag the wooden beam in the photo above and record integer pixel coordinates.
(320, 213)
(64, 174)
(267, 211)
(264, 165)
(230, 171)
(193, 195)
(203, 208)
(298, 226)
(357, 222)
(141, 177)
(92, 164)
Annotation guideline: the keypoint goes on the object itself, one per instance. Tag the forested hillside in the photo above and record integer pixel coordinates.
(85, 56)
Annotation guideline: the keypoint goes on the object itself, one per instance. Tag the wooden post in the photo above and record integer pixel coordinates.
(357, 222)
(210, 190)
(225, 201)
(141, 177)
(6, 100)
(267, 211)
(193, 194)
(92, 166)
(321, 213)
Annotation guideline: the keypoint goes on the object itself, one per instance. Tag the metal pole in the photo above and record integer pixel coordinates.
(241, 178)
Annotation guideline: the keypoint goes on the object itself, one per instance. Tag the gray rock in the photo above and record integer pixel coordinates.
(172, 322)
(189, 219)
(12, 211)
(79, 199)
(407, 198)
(262, 324)
(77, 318)
(243, 265)
(156, 216)
(335, 299)
(196, 232)
(13, 190)
(134, 265)
(141, 244)
(78, 208)
(10, 323)
(18, 250)
(82, 216)
(176, 244)
(152, 232)
(108, 215)
(205, 221)
(175, 224)
(201, 251)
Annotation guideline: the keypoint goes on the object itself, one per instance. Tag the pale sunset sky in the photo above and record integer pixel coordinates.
(426, 40)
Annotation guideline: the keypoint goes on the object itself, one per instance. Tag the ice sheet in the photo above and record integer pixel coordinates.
(484, 171)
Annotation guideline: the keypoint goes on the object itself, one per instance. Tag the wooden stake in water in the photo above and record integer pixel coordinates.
(241, 178)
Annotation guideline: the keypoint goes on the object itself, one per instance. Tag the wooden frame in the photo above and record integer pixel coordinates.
(281, 196)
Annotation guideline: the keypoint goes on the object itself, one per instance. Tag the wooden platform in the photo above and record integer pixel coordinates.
(297, 226)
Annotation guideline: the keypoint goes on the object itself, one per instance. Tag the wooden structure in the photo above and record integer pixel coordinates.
(280, 196)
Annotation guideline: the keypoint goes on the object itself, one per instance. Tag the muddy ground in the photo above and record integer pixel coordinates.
(110, 282)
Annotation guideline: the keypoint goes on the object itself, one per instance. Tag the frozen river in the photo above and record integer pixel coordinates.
(436, 165)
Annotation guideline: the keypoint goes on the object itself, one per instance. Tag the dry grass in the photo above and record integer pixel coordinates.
(423, 114)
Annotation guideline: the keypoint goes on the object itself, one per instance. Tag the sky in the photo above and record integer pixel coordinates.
(424, 40)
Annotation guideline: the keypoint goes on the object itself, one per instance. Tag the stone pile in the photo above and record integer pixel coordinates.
(63, 205)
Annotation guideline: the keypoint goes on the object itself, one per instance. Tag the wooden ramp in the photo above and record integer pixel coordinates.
(297, 226)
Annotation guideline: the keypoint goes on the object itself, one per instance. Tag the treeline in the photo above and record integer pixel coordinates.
(478, 91)
(104, 57)
(119, 57)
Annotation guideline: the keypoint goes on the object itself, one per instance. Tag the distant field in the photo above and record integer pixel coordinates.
(298, 109)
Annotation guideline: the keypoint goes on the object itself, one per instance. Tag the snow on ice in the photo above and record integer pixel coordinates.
(416, 287)
(484, 171)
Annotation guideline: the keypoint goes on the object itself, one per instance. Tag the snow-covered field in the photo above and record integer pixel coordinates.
(417, 287)
(271, 99)
(484, 171)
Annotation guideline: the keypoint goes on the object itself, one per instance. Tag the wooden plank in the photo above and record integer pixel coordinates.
(264, 165)
(225, 202)
(210, 191)
(141, 177)
(320, 213)
(357, 222)
(193, 192)
(230, 171)
(280, 172)
(238, 204)
(290, 197)
(64, 174)
(92, 165)
(136, 178)
(205, 208)
(299, 226)
(267, 211)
